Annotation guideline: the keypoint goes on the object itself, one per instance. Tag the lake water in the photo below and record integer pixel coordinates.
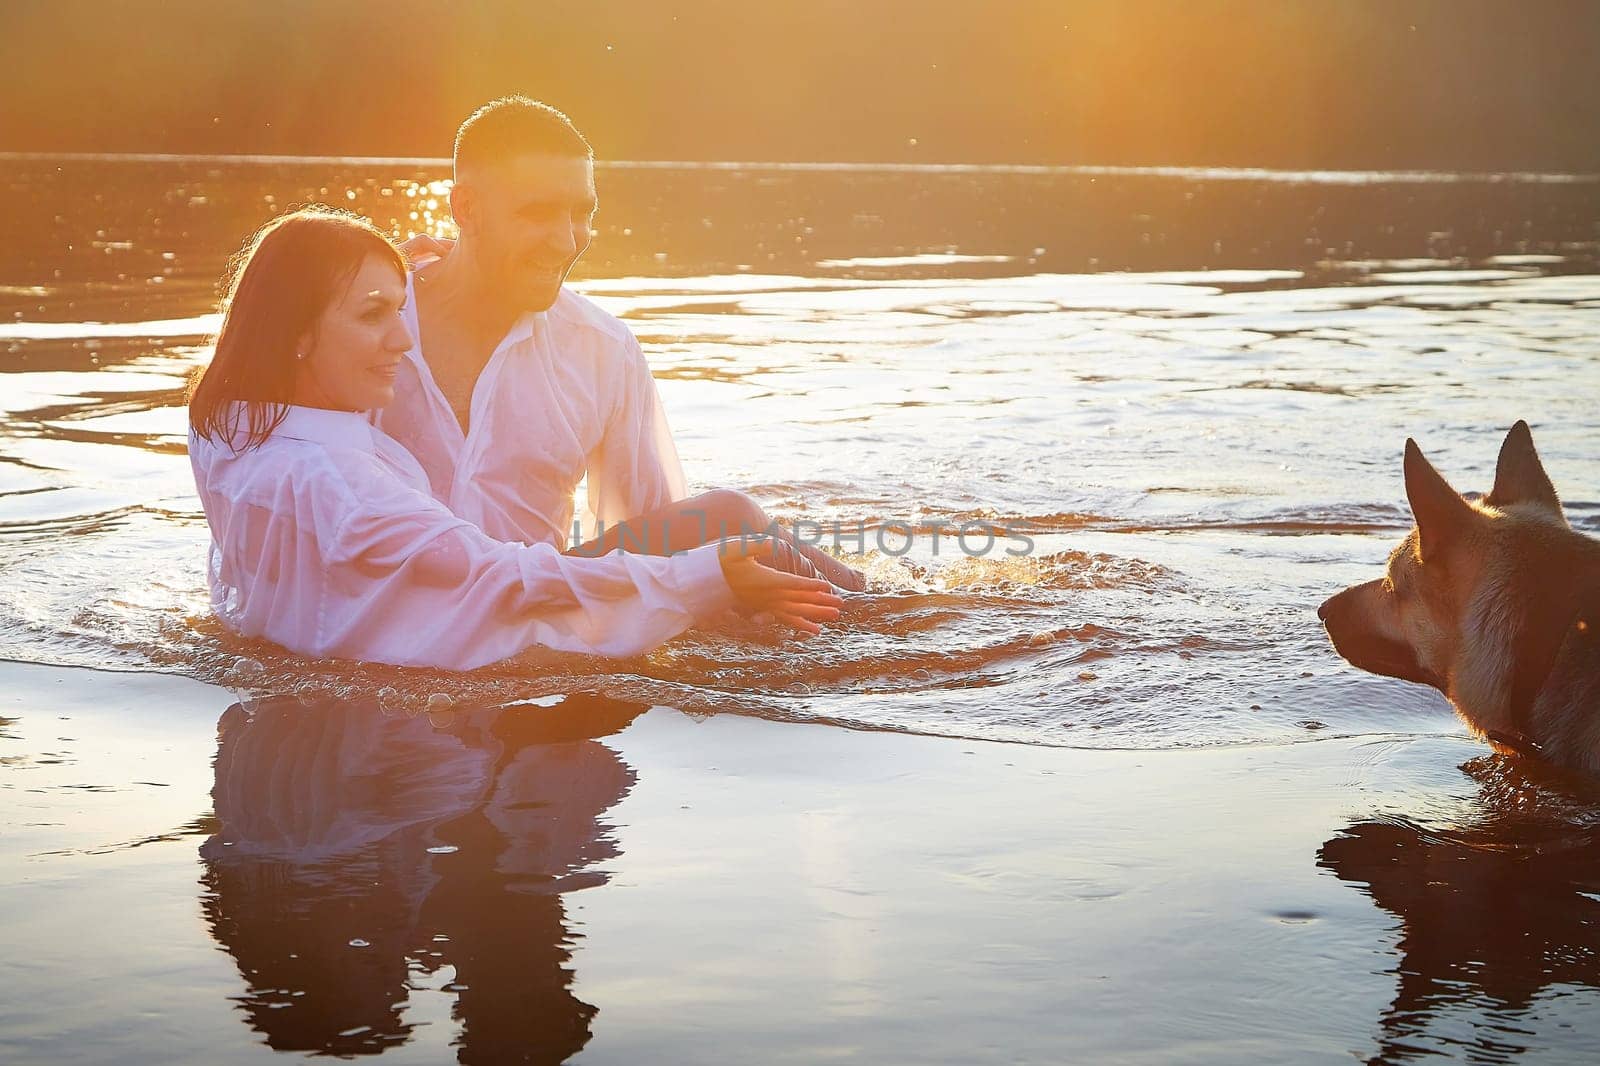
(1190, 394)
(1185, 392)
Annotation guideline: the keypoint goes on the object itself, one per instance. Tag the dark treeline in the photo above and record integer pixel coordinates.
(1446, 84)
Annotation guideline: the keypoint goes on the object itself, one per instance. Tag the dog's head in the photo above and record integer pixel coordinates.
(1409, 624)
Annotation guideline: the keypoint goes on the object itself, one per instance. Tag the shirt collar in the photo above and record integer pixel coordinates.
(520, 330)
(335, 429)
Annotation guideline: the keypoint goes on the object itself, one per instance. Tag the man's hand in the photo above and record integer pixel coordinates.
(803, 603)
(423, 246)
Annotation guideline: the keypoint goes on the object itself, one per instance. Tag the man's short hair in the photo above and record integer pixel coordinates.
(516, 125)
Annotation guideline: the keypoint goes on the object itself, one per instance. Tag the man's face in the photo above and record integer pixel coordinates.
(528, 218)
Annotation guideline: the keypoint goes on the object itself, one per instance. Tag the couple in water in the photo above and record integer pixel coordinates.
(388, 457)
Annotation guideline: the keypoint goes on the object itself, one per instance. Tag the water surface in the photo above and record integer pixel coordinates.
(1187, 392)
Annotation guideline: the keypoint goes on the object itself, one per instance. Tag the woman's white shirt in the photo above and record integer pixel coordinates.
(566, 393)
(327, 540)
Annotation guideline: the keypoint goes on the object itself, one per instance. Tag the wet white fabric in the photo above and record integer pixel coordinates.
(325, 539)
(567, 391)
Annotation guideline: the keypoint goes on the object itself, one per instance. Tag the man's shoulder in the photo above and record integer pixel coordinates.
(576, 312)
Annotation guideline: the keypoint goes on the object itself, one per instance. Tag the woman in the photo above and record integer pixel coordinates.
(325, 538)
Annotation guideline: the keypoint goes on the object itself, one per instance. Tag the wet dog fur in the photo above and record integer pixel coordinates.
(1495, 602)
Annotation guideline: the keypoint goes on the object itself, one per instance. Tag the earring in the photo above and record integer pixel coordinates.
(299, 355)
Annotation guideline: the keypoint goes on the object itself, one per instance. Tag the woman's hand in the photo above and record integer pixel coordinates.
(752, 570)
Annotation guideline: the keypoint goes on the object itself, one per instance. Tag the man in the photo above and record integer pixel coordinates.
(519, 387)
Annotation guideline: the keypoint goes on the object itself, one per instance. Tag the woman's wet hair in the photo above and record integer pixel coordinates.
(278, 286)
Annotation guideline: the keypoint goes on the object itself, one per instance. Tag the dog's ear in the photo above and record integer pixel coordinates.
(1519, 477)
(1440, 511)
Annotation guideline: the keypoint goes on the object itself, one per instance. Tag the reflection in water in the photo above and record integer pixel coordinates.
(1496, 911)
(358, 855)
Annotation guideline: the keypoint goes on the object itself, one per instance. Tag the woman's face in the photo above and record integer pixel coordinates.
(347, 361)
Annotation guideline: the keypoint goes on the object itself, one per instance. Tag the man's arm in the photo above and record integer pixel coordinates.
(636, 484)
(635, 469)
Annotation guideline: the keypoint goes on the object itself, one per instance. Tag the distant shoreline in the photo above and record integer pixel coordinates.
(1303, 177)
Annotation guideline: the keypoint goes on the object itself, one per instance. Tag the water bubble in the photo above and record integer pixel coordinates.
(440, 710)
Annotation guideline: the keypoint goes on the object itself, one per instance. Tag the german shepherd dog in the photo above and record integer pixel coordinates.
(1495, 602)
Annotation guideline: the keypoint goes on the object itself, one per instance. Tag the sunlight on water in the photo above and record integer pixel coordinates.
(1171, 453)
(426, 210)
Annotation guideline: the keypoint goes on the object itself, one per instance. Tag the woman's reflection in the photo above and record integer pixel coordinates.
(358, 854)
(1494, 909)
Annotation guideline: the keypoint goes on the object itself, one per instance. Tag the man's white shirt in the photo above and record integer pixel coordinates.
(566, 393)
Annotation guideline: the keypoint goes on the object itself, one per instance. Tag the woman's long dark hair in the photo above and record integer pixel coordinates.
(278, 285)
